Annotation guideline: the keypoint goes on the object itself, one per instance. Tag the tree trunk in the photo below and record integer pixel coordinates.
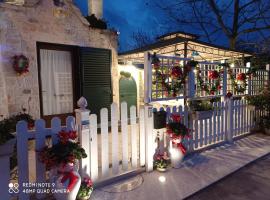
(232, 41)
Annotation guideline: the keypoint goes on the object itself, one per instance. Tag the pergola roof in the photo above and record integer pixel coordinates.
(175, 44)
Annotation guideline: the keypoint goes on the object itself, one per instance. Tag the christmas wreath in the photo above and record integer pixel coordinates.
(173, 81)
(238, 82)
(214, 85)
(21, 64)
(170, 83)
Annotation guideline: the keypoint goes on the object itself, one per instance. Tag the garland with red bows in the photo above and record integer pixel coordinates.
(21, 64)
(177, 132)
(214, 85)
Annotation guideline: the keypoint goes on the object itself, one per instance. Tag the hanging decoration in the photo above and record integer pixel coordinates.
(21, 65)
(214, 85)
(155, 62)
(169, 80)
(177, 132)
(171, 83)
(195, 53)
(238, 81)
(190, 65)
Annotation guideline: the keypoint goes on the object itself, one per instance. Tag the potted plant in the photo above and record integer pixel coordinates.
(201, 109)
(178, 133)
(160, 119)
(86, 189)
(62, 161)
(261, 102)
(8, 137)
(161, 162)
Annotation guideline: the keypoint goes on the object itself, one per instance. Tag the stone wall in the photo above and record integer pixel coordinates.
(20, 29)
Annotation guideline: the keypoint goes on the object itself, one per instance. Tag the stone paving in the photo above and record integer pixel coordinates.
(197, 172)
(200, 170)
(249, 183)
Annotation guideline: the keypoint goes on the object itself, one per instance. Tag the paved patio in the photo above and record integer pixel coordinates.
(197, 172)
(249, 183)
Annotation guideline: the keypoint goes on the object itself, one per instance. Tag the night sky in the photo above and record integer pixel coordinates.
(128, 16)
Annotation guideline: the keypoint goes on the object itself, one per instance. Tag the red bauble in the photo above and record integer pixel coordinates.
(176, 72)
(219, 87)
(213, 74)
(241, 77)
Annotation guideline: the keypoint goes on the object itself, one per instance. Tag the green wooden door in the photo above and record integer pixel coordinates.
(96, 78)
(128, 91)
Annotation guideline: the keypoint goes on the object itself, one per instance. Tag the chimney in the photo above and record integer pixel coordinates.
(95, 7)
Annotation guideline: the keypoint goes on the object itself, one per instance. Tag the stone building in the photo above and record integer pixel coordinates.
(67, 59)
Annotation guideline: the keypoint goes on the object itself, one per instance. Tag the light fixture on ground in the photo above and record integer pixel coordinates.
(162, 179)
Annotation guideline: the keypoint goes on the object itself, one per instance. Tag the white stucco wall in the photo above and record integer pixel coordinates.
(20, 29)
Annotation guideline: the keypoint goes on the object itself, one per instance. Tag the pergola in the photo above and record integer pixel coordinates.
(184, 45)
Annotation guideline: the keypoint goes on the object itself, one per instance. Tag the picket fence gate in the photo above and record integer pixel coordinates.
(121, 146)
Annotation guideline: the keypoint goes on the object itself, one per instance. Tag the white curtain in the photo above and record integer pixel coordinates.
(56, 80)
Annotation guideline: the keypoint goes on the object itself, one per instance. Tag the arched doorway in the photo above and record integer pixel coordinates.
(128, 91)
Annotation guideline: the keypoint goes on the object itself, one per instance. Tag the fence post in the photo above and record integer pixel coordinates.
(82, 124)
(149, 141)
(147, 77)
(267, 67)
(225, 79)
(191, 94)
(249, 81)
(191, 83)
(230, 120)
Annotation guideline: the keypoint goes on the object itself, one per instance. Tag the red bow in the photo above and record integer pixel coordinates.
(176, 117)
(72, 180)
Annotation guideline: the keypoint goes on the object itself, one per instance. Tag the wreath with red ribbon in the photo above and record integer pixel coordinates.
(214, 85)
(21, 64)
(238, 81)
(177, 75)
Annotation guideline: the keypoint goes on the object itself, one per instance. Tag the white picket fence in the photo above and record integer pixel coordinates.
(126, 143)
(41, 136)
(230, 119)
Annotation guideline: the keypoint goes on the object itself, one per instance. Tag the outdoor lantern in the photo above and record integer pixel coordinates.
(160, 119)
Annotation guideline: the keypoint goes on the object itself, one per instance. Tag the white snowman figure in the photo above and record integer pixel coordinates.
(66, 180)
